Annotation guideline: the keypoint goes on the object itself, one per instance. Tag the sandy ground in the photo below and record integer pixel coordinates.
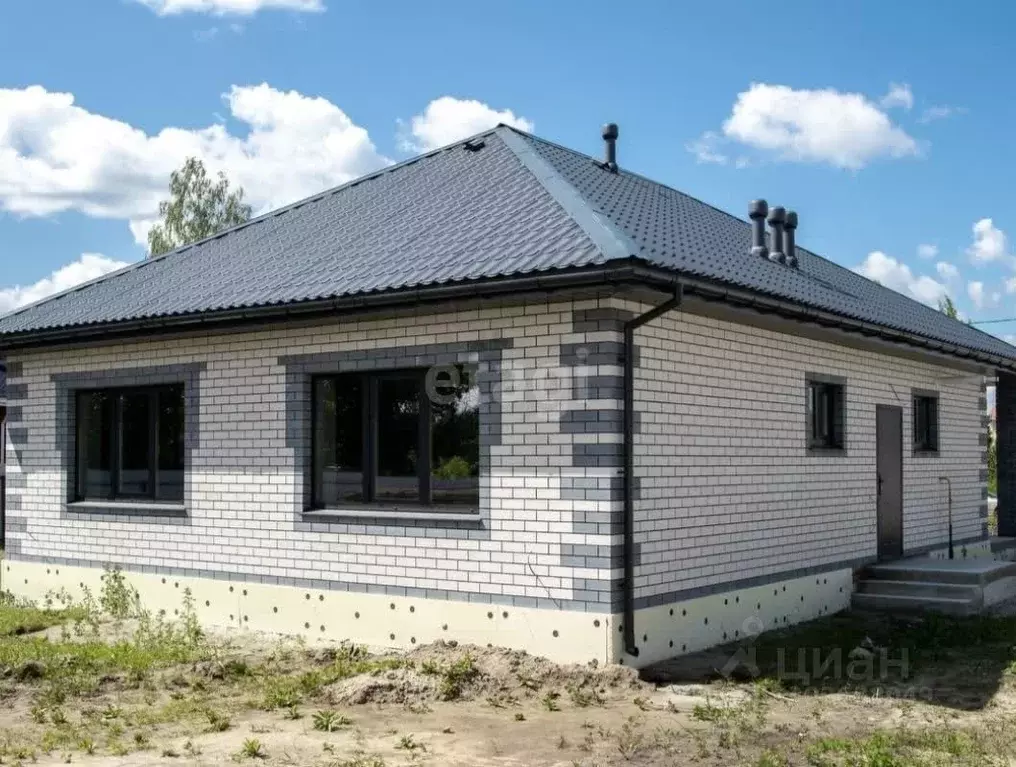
(515, 710)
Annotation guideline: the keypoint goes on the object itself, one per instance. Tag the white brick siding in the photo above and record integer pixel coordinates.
(729, 491)
(246, 492)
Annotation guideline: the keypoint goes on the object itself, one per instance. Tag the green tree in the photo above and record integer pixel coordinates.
(947, 307)
(197, 208)
(992, 462)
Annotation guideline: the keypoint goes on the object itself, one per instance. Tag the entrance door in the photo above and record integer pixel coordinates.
(889, 468)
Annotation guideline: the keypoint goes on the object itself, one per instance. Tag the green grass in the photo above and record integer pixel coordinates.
(935, 647)
(281, 689)
(906, 748)
(17, 619)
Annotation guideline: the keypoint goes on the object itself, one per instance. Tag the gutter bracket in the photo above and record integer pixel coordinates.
(628, 517)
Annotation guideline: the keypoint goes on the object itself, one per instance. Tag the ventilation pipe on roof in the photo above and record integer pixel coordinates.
(757, 212)
(790, 227)
(610, 145)
(777, 217)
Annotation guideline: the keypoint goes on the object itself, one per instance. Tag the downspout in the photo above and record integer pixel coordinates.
(628, 520)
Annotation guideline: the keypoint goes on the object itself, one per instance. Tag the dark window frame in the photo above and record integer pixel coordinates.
(826, 427)
(925, 435)
(115, 426)
(370, 380)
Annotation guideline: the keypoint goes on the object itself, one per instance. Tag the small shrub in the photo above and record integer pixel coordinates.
(770, 758)
(252, 749)
(217, 722)
(550, 701)
(456, 676)
(117, 597)
(583, 697)
(330, 721)
(407, 743)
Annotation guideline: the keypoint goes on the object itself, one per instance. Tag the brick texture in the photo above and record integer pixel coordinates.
(545, 540)
(729, 491)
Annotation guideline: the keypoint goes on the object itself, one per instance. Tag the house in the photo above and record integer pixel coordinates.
(499, 393)
(3, 451)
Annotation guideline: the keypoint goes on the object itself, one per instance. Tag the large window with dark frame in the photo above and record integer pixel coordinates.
(925, 423)
(397, 439)
(130, 443)
(825, 415)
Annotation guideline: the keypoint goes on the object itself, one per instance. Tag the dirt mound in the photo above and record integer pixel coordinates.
(447, 671)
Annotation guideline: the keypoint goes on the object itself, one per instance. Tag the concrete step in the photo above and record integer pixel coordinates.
(902, 603)
(965, 573)
(927, 589)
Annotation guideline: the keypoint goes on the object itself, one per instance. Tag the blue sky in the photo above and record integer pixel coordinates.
(885, 125)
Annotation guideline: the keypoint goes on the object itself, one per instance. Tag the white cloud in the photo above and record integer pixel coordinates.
(706, 150)
(947, 271)
(941, 112)
(989, 242)
(229, 7)
(88, 267)
(1010, 285)
(56, 156)
(845, 130)
(448, 119)
(899, 95)
(898, 276)
(927, 251)
(976, 292)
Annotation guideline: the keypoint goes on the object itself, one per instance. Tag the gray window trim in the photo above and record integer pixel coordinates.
(829, 452)
(188, 374)
(466, 523)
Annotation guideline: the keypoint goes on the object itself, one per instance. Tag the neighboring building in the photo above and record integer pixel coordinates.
(430, 404)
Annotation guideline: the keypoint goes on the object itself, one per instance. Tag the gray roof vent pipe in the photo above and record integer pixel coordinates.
(777, 217)
(610, 146)
(757, 212)
(790, 227)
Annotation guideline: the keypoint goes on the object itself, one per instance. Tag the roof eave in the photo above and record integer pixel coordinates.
(630, 272)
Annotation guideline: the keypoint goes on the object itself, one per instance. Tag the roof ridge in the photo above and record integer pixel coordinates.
(613, 243)
(646, 180)
(313, 198)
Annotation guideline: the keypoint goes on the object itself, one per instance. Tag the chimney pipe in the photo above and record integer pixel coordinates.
(757, 212)
(776, 218)
(610, 139)
(791, 246)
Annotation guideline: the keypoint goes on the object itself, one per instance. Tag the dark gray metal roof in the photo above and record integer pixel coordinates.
(517, 206)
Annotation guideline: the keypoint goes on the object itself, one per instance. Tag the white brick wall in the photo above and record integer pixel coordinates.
(246, 489)
(728, 490)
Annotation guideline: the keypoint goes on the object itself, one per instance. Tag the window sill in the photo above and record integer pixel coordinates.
(827, 451)
(128, 507)
(381, 514)
(926, 452)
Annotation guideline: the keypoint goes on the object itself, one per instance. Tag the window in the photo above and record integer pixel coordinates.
(825, 415)
(925, 423)
(130, 444)
(397, 439)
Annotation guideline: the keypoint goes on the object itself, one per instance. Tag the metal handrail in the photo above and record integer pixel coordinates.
(948, 483)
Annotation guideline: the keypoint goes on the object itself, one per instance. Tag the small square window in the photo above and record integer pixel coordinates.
(925, 423)
(825, 415)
